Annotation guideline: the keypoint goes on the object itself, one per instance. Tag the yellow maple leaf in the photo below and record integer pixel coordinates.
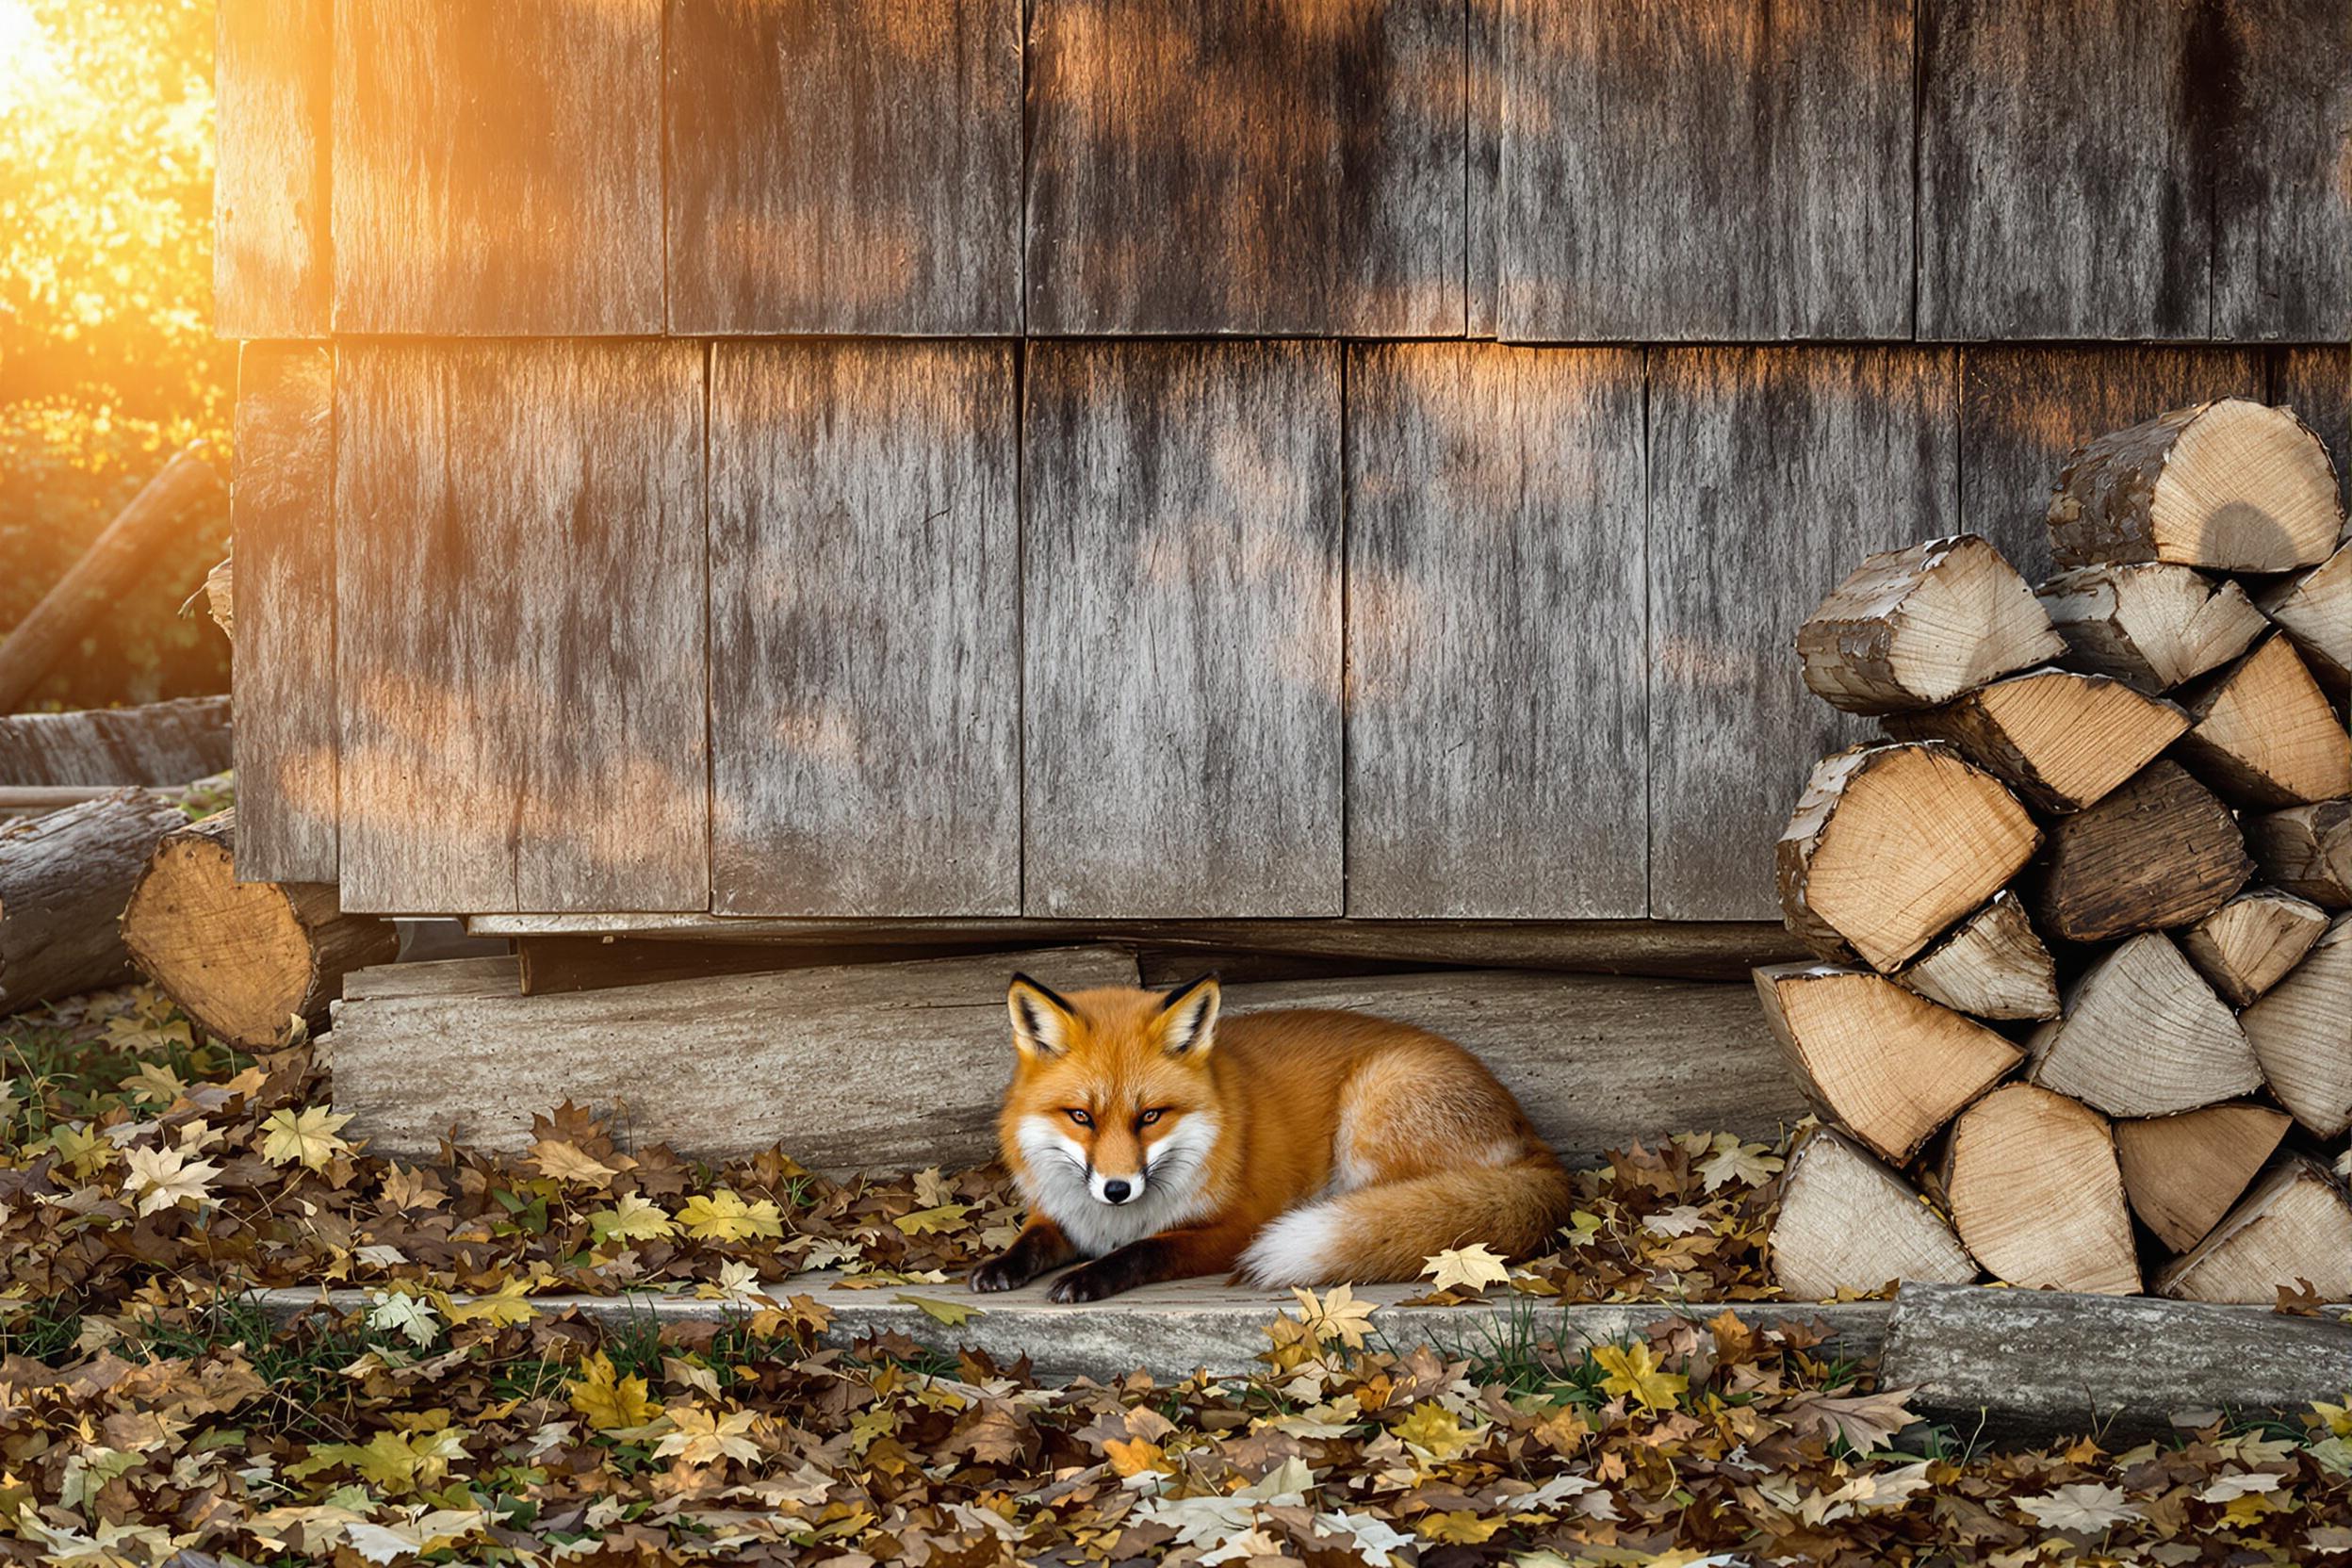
(1461, 1528)
(1471, 1268)
(1632, 1370)
(926, 1221)
(607, 1399)
(566, 1163)
(1433, 1429)
(1337, 1315)
(724, 1216)
(706, 1437)
(953, 1313)
(631, 1218)
(505, 1307)
(307, 1136)
(1133, 1457)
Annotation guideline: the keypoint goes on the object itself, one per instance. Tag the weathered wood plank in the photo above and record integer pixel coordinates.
(1691, 172)
(2024, 409)
(520, 643)
(2272, 79)
(497, 168)
(1181, 571)
(1228, 167)
(2062, 189)
(282, 511)
(1770, 472)
(2317, 383)
(851, 166)
(865, 651)
(1496, 767)
(271, 270)
(1482, 89)
(159, 743)
(871, 1067)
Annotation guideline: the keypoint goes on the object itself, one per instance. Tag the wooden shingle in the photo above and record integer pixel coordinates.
(272, 64)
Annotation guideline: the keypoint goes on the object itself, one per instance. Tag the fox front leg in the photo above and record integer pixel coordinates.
(1040, 1247)
(1169, 1255)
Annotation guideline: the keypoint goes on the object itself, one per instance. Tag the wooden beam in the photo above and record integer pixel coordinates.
(100, 748)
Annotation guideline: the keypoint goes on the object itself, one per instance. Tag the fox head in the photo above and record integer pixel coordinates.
(1113, 1104)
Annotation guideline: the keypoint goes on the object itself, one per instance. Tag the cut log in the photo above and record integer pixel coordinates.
(1918, 627)
(2144, 1034)
(1889, 1067)
(2182, 1172)
(2151, 626)
(2314, 608)
(64, 879)
(2061, 739)
(1992, 965)
(2294, 1229)
(2230, 486)
(2038, 1194)
(2248, 944)
(2302, 1034)
(1892, 843)
(2307, 850)
(1848, 1224)
(2264, 734)
(2161, 851)
(160, 744)
(244, 959)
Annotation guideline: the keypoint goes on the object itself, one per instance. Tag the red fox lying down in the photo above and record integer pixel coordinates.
(1287, 1148)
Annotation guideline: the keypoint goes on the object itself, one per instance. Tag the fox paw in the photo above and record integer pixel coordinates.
(1084, 1284)
(1005, 1273)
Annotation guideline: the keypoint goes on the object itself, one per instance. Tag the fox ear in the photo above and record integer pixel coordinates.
(1188, 1018)
(1041, 1020)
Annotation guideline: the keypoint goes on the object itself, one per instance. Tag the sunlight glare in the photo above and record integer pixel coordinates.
(27, 69)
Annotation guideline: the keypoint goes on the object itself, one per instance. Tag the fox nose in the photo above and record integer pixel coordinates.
(1116, 1191)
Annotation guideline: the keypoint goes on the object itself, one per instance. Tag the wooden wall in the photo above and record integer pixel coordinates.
(968, 457)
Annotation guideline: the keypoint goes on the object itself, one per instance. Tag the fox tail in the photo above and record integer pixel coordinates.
(1389, 1229)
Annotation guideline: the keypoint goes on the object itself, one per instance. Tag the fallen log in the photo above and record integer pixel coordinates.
(244, 959)
(160, 743)
(64, 878)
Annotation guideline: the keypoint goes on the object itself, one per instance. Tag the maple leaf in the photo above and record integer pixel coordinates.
(706, 1437)
(724, 1216)
(932, 1190)
(1678, 1221)
(1734, 1161)
(164, 1177)
(564, 1161)
(953, 1313)
(1471, 1268)
(607, 1399)
(308, 1136)
(411, 1315)
(1432, 1429)
(504, 1307)
(930, 1221)
(1461, 1527)
(1133, 1457)
(1866, 1422)
(2085, 1506)
(630, 1219)
(1633, 1371)
(1337, 1315)
(1375, 1537)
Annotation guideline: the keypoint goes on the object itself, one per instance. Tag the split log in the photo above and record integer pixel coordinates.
(2182, 1172)
(2248, 944)
(64, 878)
(2302, 1034)
(2161, 851)
(2144, 1034)
(97, 580)
(2314, 608)
(2230, 486)
(1992, 965)
(2294, 1229)
(2151, 626)
(1890, 844)
(1848, 1224)
(2061, 739)
(160, 743)
(1918, 627)
(2038, 1195)
(1887, 1066)
(244, 959)
(2264, 734)
(2307, 850)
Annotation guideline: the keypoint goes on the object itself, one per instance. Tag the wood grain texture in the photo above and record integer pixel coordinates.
(158, 743)
(1496, 767)
(865, 653)
(270, 266)
(1181, 571)
(2064, 169)
(1770, 472)
(282, 511)
(851, 166)
(1483, 90)
(2317, 383)
(2273, 81)
(497, 168)
(520, 637)
(1229, 167)
(1689, 171)
(2023, 409)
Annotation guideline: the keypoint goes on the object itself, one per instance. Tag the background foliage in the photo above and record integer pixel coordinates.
(107, 363)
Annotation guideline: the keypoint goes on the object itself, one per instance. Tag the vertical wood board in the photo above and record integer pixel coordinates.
(2317, 383)
(282, 514)
(497, 166)
(850, 166)
(2274, 80)
(1773, 472)
(1498, 749)
(1228, 167)
(865, 653)
(1687, 171)
(520, 637)
(1182, 627)
(272, 61)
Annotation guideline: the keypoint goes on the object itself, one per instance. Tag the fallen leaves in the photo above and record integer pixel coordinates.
(1471, 1268)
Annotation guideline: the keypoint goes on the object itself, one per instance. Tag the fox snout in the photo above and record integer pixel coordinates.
(1114, 1189)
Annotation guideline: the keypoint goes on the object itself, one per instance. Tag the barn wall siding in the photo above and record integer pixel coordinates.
(273, 70)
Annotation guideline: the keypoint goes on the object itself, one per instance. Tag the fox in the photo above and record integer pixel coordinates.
(1155, 1141)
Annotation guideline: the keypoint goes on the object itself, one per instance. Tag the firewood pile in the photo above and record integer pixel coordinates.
(2083, 1015)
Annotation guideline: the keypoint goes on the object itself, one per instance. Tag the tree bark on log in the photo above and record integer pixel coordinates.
(64, 878)
(2161, 851)
(2307, 850)
(244, 959)
(1918, 627)
(161, 744)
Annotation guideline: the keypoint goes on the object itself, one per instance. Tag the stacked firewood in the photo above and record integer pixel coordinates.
(2082, 910)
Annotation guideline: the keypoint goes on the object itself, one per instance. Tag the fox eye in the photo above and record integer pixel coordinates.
(1081, 1118)
(1148, 1117)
